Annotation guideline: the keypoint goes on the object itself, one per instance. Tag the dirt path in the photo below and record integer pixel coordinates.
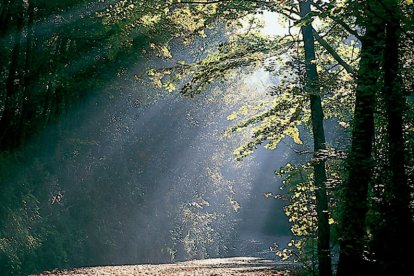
(228, 266)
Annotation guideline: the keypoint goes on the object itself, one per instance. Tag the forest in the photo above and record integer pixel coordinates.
(161, 131)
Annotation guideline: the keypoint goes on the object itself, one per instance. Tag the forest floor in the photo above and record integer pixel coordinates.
(227, 266)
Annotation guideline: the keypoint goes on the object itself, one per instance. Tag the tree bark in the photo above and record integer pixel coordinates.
(4, 17)
(11, 102)
(354, 193)
(313, 87)
(27, 110)
(398, 223)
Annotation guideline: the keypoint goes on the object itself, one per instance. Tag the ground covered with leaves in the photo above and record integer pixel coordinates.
(227, 266)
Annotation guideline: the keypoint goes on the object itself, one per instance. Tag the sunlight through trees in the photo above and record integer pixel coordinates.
(153, 131)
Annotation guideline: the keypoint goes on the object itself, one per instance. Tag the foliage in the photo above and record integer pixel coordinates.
(299, 193)
(56, 54)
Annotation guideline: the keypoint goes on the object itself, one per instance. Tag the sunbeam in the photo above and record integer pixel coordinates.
(206, 137)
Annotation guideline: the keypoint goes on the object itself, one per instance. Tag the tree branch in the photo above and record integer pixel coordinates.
(333, 53)
(339, 21)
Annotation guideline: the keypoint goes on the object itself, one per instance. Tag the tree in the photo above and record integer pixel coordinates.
(313, 88)
(206, 71)
(379, 64)
(360, 164)
(53, 58)
(394, 254)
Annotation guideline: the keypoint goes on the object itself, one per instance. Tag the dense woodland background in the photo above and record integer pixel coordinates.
(120, 122)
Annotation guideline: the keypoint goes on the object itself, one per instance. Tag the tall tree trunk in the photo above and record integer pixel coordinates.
(27, 110)
(354, 194)
(313, 87)
(398, 223)
(13, 83)
(4, 17)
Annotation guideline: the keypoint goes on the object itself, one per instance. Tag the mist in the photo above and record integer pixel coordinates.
(146, 176)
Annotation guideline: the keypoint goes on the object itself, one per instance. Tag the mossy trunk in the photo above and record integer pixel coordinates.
(396, 248)
(355, 189)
